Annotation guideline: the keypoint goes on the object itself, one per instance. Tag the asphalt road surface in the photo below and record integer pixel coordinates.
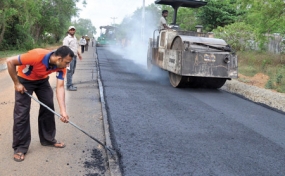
(160, 130)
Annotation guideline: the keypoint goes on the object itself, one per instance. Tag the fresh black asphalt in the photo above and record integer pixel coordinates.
(163, 131)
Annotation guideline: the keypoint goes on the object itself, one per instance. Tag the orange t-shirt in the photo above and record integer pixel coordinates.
(35, 65)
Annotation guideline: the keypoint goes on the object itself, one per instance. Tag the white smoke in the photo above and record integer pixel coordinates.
(137, 46)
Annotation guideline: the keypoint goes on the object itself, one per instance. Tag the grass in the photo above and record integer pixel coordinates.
(273, 65)
(5, 54)
(244, 80)
(8, 53)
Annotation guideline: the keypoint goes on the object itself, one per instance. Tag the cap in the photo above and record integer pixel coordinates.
(71, 27)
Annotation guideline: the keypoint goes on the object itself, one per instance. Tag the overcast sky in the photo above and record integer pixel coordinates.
(100, 12)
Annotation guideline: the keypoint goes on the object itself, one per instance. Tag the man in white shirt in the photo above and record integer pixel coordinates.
(82, 43)
(93, 41)
(71, 41)
(162, 21)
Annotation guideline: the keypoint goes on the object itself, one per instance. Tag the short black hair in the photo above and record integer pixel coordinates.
(164, 11)
(63, 51)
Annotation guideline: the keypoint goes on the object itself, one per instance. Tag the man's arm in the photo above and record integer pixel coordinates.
(60, 94)
(78, 51)
(12, 62)
(79, 54)
(165, 26)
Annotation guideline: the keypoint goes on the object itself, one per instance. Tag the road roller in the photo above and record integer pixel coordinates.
(192, 58)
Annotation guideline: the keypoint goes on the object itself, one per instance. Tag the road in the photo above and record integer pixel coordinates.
(163, 131)
(82, 155)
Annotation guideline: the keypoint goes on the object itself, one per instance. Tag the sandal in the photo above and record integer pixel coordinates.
(56, 145)
(20, 156)
(59, 145)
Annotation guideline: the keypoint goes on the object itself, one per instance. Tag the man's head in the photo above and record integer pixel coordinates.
(82, 36)
(71, 30)
(165, 13)
(63, 56)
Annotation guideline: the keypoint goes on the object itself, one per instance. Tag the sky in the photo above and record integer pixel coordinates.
(101, 12)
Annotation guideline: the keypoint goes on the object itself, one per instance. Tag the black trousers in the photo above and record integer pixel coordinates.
(46, 120)
(82, 48)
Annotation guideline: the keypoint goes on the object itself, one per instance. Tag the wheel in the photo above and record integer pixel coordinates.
(175, 80)
(215, 83)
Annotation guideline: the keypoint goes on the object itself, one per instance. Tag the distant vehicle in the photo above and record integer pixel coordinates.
(193, 59)
(108, 37)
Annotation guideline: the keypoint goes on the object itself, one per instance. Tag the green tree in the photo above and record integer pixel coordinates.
(17, 18)
(59, 13)
(218, 13)
(265, 17)
(27, 23)
(84, 27)
(6, 14)
(238, 35)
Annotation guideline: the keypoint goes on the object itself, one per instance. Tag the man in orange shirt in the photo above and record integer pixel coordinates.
(32, 76)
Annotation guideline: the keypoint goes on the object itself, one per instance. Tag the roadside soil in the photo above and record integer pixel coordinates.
(258, 80)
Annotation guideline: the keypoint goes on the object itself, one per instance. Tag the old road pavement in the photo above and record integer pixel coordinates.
(163, 131)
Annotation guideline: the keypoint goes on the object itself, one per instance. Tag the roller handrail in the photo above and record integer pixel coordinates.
(154, 36)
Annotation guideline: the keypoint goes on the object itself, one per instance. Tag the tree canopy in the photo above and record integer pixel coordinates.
(27, 23)
(218, 13)
(84, 27)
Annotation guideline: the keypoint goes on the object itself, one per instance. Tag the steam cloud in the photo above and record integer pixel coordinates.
(137, 46)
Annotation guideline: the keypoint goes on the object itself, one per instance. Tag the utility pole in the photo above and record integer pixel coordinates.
(143, 21)
(113, 18)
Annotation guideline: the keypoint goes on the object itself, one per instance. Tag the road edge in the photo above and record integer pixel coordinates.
(114, 166)
(265, 97)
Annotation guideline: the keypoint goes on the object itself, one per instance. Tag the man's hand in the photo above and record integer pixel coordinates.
(20, 88)
(64, 117)
(79, 56)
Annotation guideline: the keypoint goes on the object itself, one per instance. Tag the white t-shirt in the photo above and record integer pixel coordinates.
(162, 21)
(82, 41)
(71, 42)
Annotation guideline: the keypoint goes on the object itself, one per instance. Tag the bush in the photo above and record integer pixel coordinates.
(269, 85)
(238, 35)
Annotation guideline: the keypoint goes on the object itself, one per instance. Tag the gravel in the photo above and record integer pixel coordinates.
(267, 97)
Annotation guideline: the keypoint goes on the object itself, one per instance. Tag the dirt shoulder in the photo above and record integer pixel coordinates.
(82, 155)
(258, 80)
(251, 91)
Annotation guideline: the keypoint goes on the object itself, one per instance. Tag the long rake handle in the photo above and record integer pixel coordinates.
(71, 123)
